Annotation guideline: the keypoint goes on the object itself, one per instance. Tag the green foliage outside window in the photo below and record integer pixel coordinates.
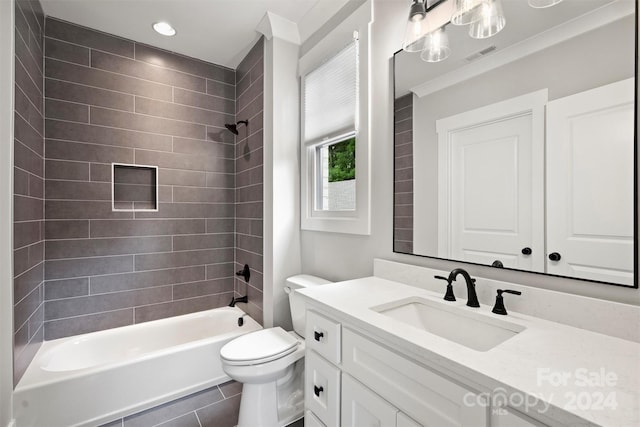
(342, 160)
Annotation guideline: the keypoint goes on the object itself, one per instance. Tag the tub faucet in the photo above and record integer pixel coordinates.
(472, 298)
(235, 300)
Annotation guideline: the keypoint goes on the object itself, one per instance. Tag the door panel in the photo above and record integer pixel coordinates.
(590, 152)
(491, 183)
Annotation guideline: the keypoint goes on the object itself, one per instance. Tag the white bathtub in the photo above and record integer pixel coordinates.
(95, 378)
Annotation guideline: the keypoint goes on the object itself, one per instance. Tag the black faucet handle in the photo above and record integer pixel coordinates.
(499, 307)
(448, 296)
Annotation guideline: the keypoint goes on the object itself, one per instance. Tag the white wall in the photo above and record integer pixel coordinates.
(281, 178)
(6, 209)
(341, 257)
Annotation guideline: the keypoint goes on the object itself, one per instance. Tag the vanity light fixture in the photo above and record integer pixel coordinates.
(485, 18)
(464, 11)
(416, 27)
(436, 47)
(541, 4)
(164, 28)
(489, 20)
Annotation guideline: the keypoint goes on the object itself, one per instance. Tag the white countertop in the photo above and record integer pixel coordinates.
(573, 376)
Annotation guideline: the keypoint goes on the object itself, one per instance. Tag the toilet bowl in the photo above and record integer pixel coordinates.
(270, 365)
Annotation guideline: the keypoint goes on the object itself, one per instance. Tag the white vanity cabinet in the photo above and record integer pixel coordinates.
(352, 380)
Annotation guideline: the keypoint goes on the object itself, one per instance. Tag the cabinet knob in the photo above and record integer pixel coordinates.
(526, 251)
(317, 335)
(554, 256)
(317, 390)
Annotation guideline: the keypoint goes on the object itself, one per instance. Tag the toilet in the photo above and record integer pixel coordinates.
(270, 365)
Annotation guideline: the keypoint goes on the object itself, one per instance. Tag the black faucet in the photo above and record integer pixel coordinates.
(499, 308)
(472, 298)
(235, 300)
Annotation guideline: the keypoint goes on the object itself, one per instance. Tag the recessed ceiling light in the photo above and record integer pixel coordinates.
(164, 28)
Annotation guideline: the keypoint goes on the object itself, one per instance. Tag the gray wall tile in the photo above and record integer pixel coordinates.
(182, 259)
(106, 136)
(74, 171)
(58, 89)
(66, 288)
(26, 134)
(131, 281)
(68, 268)
(147, 227)
(71, 209)
(173, 61)
(64, 150)
(123, 120)
(179, 307)
(74, 73)
(205, 287)
(90, 38)
(77, 306)
(81, 248)
(203, 241)
(61, 328)
(68, 52)
(105, 61)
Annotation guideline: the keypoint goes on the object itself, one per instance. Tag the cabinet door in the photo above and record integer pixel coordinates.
(322, 389)
(427, 397)
(590, 184)
(311, 420)
(363, 408)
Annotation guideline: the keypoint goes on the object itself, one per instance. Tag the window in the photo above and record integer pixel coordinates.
(336, 175)
(335, 188)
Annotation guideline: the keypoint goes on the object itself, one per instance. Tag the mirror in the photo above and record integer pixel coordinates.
(519, 151)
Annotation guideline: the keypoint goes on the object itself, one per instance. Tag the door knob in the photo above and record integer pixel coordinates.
(554, 256)
(526, 251)
(317, 390)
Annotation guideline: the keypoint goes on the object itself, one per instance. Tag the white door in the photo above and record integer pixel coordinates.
(590, 152)
(361, 407)
(491, 184)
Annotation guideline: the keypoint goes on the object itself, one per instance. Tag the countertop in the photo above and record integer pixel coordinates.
(570, 375)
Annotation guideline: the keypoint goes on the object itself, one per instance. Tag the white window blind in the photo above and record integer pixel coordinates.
(331, 97)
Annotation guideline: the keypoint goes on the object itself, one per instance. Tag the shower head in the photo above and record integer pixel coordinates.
(233, 127)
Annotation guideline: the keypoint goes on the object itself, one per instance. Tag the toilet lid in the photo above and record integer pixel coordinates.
(259, 346)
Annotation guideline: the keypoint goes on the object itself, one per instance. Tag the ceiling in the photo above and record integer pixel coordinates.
(217, 31)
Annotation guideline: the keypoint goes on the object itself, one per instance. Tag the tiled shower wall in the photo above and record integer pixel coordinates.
(108, 100)
(249, 178)
(403, 181)
(28, 185)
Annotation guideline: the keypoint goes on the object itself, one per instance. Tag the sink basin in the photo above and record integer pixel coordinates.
(457, 324)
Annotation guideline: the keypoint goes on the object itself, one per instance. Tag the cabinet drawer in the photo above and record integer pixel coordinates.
(323, 335)
(322, 389)
(311, 420)
(425, 396)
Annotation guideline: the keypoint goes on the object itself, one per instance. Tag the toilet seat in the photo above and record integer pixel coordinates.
(259, 347)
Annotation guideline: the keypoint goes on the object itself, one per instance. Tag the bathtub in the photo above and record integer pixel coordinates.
(92, 379)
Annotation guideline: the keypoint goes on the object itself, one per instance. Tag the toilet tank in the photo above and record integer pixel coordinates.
(296, 301)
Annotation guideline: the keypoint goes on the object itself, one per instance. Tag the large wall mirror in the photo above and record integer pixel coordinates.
(519, 151)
